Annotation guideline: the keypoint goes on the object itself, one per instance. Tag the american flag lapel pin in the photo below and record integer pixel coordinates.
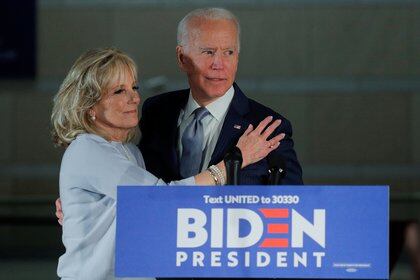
(237, 126)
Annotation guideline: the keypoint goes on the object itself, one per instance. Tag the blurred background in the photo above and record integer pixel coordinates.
(346, 73)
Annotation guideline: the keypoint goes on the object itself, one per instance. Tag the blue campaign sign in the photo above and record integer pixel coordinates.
(253, 231)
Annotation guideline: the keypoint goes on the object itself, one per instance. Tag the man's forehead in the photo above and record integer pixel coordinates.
(206, 23)
(207, 32)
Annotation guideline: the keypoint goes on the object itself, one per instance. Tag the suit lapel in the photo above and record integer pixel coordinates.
(233, 126)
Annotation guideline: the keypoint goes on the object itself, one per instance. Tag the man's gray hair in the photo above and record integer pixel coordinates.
(183, 33)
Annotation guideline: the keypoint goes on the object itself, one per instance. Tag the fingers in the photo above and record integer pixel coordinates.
(58, 204)
(271, 128)
(248, 130)
(273, 144)
(59, 211)
(273, 147)
(269, 149)
(259, 129)
(60, 221)
(269, 146)
(277, 139)
(59, 216)
(265, 131)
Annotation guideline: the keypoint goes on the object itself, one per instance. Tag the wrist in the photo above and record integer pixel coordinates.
(217, 174)
(244, 159)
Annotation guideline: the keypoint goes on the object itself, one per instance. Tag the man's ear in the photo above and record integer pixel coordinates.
(180, 57)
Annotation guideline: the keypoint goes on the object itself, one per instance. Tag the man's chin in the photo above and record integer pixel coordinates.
(210, 93)
(217, 90)
(217, 94)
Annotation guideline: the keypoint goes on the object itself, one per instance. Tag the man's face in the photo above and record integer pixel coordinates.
(210, 59)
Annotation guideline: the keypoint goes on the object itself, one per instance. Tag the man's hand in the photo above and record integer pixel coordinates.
(59, 211)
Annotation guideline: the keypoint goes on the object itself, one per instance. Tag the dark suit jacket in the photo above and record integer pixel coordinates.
(158, 144)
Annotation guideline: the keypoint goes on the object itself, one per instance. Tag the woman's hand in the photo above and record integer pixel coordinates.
(254, 144)
(59, 211)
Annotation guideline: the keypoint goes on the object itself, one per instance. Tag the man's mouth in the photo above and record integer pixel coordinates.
(216, 79)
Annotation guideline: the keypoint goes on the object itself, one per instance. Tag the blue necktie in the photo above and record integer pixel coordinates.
(192, 144)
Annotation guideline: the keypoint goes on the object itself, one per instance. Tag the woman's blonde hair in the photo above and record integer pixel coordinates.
(84, 86)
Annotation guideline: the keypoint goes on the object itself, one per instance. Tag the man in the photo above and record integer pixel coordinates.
(208, 52)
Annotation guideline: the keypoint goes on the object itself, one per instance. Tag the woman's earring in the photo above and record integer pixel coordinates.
(92, 117)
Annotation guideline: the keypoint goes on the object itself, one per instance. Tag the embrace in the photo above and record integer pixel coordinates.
(185, 135)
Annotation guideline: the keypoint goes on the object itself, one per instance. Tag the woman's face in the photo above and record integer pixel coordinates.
(117, 112)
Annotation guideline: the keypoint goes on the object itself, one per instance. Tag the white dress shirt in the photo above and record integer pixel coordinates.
(212, 123)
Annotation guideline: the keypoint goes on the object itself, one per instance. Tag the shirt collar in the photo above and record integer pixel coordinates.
(217, 108)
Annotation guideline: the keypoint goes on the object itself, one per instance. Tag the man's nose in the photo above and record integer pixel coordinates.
(217, 62)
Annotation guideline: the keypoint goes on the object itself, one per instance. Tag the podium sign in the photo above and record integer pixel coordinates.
(253, 231)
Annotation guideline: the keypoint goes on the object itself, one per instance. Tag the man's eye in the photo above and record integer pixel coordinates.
(229, 52)
(208, 52)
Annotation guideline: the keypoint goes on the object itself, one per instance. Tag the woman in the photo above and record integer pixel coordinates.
(94, 117)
